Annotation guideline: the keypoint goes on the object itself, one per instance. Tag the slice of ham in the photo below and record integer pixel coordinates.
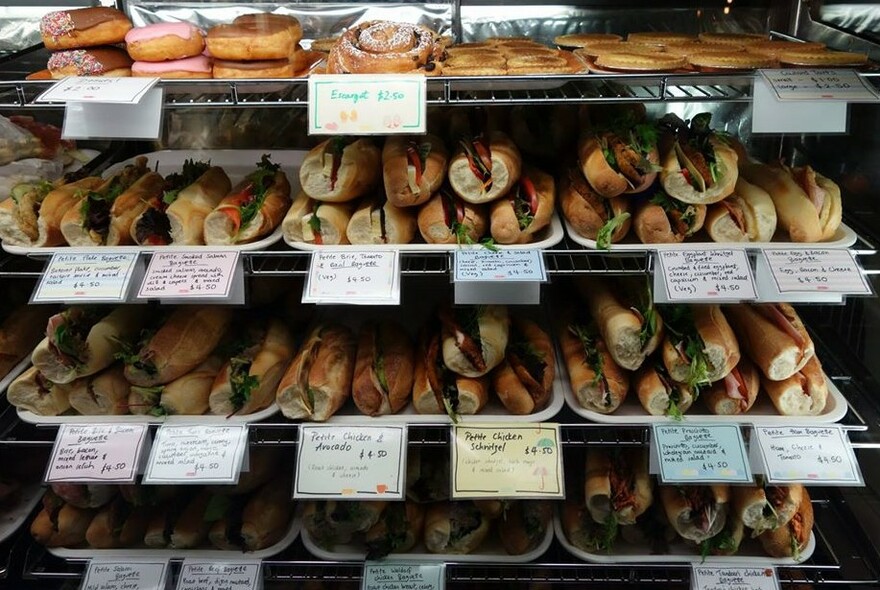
(806, 178)
(774, 314)
(52, 326)
(736, 388)
(735, 213)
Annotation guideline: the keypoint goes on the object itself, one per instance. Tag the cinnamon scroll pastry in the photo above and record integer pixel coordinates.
(382, 47)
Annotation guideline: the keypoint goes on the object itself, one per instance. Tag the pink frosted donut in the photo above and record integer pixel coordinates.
(164, 41)
(190, 67)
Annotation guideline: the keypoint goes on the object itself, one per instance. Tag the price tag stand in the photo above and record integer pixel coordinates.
(201, 574)
(814, 455)
(194, 277)
(98, 453)
(809, 276)
(732, 577)
(698, 454)
(88, 277)
(197, 454)
(509, 277)
(133, 573)
(403, 576)
(353, 278)
(703, 276)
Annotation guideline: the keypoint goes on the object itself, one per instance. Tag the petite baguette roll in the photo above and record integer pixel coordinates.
(61, 527)
(524, 379)
(190, 529)
(803, 394)
(187, 395)
(413, 168)
(525, 210)
(598, 383)
(792, 538)
(736, 393)
(685, 179)
(317, 222)
(697, 512)
(748, 215)
(129, 205)
(624, 176)
(773, 336)
(186, 215)
(617, 484)
(384, 369)
(398, 531)
(720, 349)
(33, 392)
(449, 528)
(117, 525)
(340, 169)
(796, 213)
(607, 221)
(484, 168)
(665, 220)
(266, 516)
(22, 329)
(763, 508)
(659, 394)
(473, 353)
(447, 219)
(377, 221)
(227, 225)
(438, 390)
(104, 394)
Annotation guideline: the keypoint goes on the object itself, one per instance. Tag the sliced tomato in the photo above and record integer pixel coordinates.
(234, 214)
(687, 176)
(530, 193)
(484, 152)
(318, 239)
(412, 155)
(459, 210)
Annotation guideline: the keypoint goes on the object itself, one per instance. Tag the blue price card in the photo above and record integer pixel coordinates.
(700, 454)
(479, 264)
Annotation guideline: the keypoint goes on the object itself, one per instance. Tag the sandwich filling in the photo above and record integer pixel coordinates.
(673, 393)
(242, 207)
(703, 511)
(416, 162)
(736, 388)
(524, 200)
(464, 519)
(682, 216)
(28, 199)
(331, 159)
(528, 363)
(395, 533)
(689, 345)
(153, 228)
(478, 152)
(441, 379)
(96, 205)
(67, 333)
(627, 146)
(695, 151)
(594, 350)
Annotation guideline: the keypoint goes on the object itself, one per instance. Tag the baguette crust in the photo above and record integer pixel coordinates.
(777, 353)
(656, 397)
(333, 220)
(494, 327)
(780, 542)
(719, 345)
(600, 495)
(677, 185)
(685, 521)
(266, 516)
(358, 173)
(399, 189)
(129, 205)
(653, 225)
(586, 211)
(378, 392)
(189, 394)
(758, 223)
(803, 394)
(519, 390)
(504, 224)
(377, 222)
(37, 394)
(105, 394)
(725, 398)
(435, 229)
(439, 522)
(795, 212)
(604, 179)
(602, 396)
(221, 230)
(751, 502)
(70, 531)
(505, 170)
(186, 215)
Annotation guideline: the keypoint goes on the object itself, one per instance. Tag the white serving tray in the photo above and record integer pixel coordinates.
(14, 372)
(762, 413)
(13, 517)
(750, 553)
(31, 418)
(236, 163)
(491, 551)
(547, 238)
(138, 552)
(844, 237)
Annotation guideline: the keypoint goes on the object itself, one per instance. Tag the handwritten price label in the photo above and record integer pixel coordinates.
(831, 84)
(705, 275)
(98, 89)
(84, 277)
(197, 574)
(507, 461)
(700, 454)
(357, 278)
(189, 275)
(132, 574)
(86, 453)
(734, 578)
(816, 271)
(188, 454)
(365, 104)
(480, 264)
(403, 576)
(352, 462)
(807, 454)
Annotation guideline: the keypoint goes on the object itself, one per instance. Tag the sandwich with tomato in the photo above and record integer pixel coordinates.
(317, 222)
(663, 219)
(448, 219)
(700, 347)
(606, 221)
(413, 168)
(484, 167)
(525, 210)
(340, 169)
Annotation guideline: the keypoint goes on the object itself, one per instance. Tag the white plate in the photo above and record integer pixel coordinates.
(844, 237)
(236, 163)
(547, 238)
(13, 517)
(32, 418)
(763, 413)
(491, 551)
(89, 553)
(680, 552)
(14, 372)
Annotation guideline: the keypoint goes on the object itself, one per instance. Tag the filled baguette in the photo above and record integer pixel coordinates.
(607, 221)
(773, 336)
(524, 379)
(413, 168)
(340, 169)
(484, 167)
(525, 210)
(384, 369)
(317, 222)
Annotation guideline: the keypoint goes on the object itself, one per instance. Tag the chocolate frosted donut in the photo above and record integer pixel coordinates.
(83, 27)
(382, 47)
(99, 61)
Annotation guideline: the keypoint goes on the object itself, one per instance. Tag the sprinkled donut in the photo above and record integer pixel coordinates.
(379, 47)
(98, 61)
(83, 27)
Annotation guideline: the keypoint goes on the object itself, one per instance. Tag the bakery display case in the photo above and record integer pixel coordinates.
(551, 116)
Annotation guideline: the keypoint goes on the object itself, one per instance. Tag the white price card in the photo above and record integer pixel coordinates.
(479, 264)
(197, 454)
(365, 104)
(99, 89)
(815, 455)
(102, 453)
(403, 576)
(92, 120)
(231, 574)
(699, 454)
(86, 277)
(828, 84)
(351, 462)
(507, 461)
(356, 278)
(133, 573)
(704, 275)
(189, 275)
(727, 577)
(816, 271)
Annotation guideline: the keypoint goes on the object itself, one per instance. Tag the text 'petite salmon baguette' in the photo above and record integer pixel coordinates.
(527, 209)
(737, 392)
(384, 369)
(766, 507)
(659, 394)
(524, 379)
(630, 324)
(104, 394)
(607, 221)
(177, 215)
(699, 167)
(413, 168)
(803, 394)
(340, 169)
(377, 221)
(248, 381)
(597, 382)
(447, 219)
(474, 338)
(104, 215)
(617, 487)
(808, 205)
(317, 222)
(35, 393)
(484, 167)
(700, 347)
(318, 381)
(790, 539)
(81, 341)
(187, 395)
(439, 390)
(32, 216)
(183, 341)
(773, 336)
(748, 215)
(698, 512)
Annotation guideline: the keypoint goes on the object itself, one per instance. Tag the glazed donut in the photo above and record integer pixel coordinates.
(98, 61)
(272, 68)
(164, 41)
(83, 27)
(251, 41)
(382, 47)
(259, 20)
(188, 67)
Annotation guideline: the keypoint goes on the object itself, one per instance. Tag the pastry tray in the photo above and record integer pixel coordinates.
(750, 553)
(762, 413)
(547, 238)
(14, 372)
(236, 163)
(31, 418)
(145, 552)
(491, 551)
(14, 515)
(844, 237)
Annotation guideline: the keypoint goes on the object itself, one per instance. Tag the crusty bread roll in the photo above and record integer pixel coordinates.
(413, 168)
(524, 380)
(596, 381)
(659, 394)
(33, 392)
(617, 483)
(447, 219)
(340, 169)
(792, 538)
(438, 390)
(316, 222)
(748, 215)
(186, 215)
(625, 175)
(736, 393)
(485, 168)
(676, 161)
(797, 215)
(227, 225)
(720, 348)
(763, 508)
(824, 194)
(62, 527)
(665, 220)
(104, 394)
(698, 513)
(803, 394)
(605, 220)
(377, 221)
(474, 354)
(448, 528)
(384, 369)
(527, 209)
(773, 336)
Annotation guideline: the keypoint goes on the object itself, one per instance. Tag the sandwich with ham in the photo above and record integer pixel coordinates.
(378, 221)
(747, 215)
(340, 169)
(527, 209)
(384, 369)
(484, 167)
(766, 507)
(697, 512)
(698, 165)
(33, 392)
(607, 221)
(103, 394)
(598, 383)
(773, 336)
(447, 219)
(413, 168)
(663, 219)
(252, 209)
(736, 393)
(617, 487)
(792, 538)
(524, 379)
(474, 338)
(317, 222)
(803, 394)
(659, 394)
(700, 347)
